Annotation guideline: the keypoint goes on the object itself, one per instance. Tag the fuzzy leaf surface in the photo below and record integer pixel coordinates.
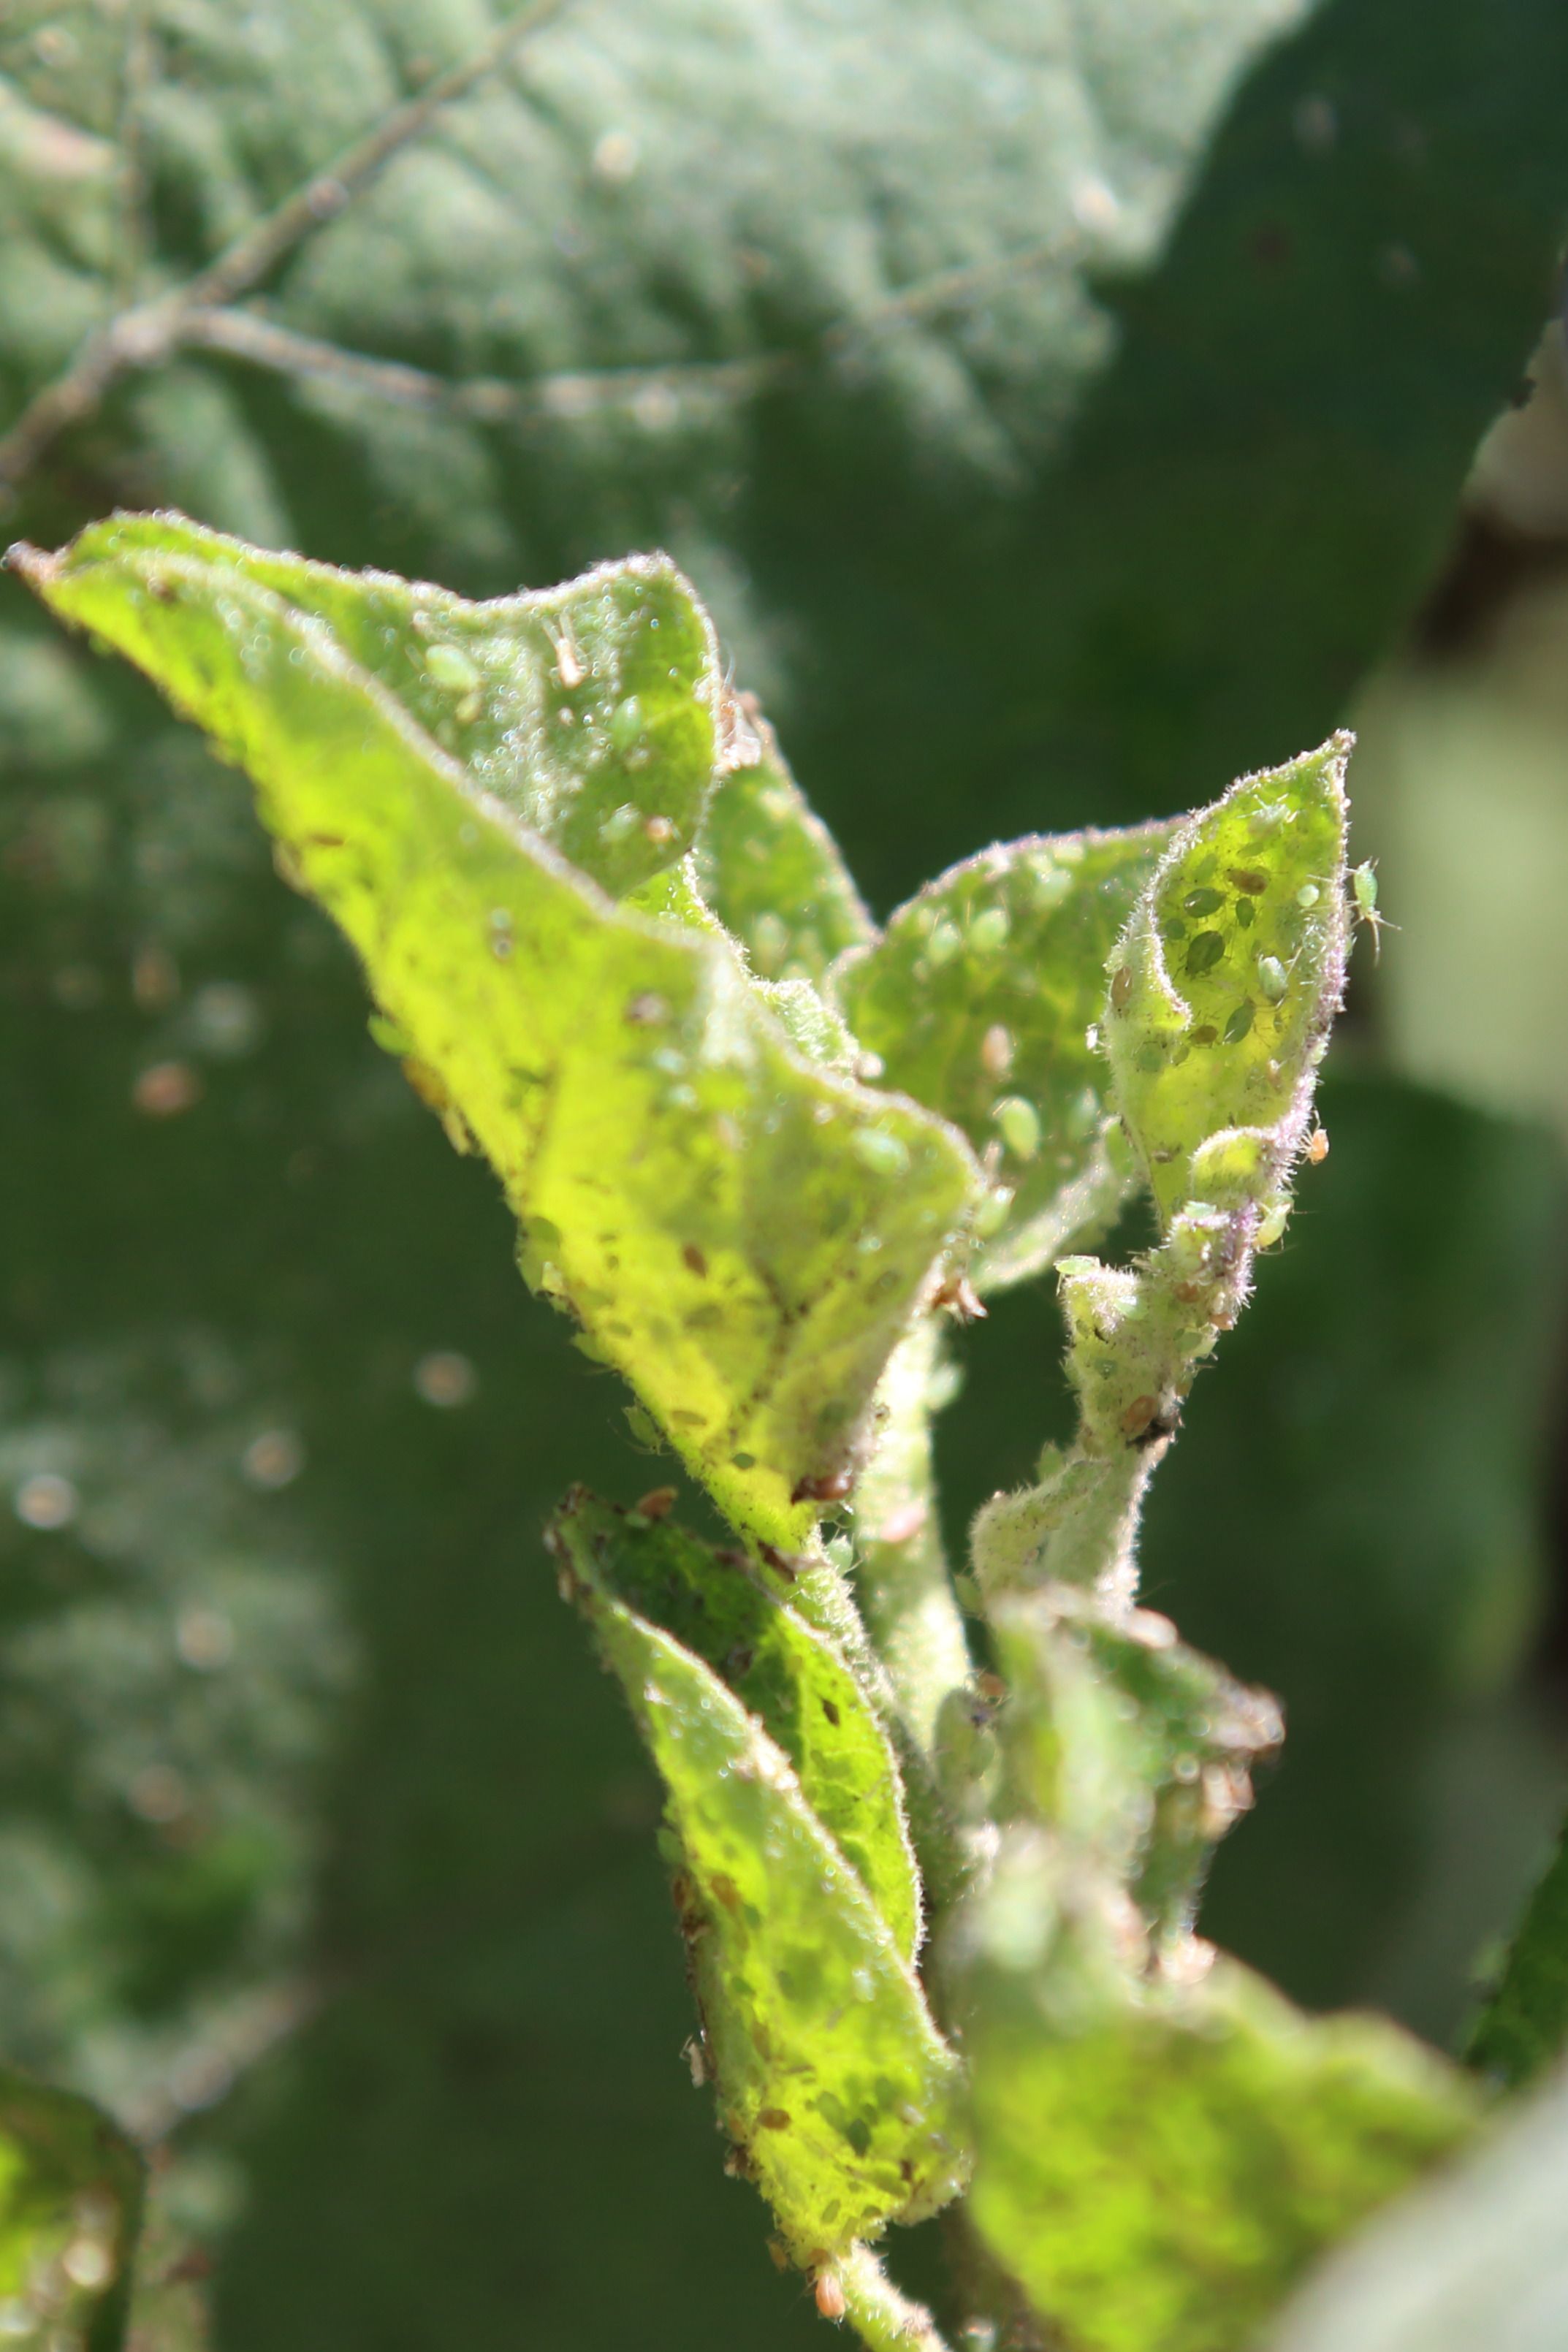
(1231, 969)
(70, 2207)
(781, 1671)
(741, 1233)
(1158, 2163)
(591, 712)
(771, 870)
(978, 999)
(831, 2076)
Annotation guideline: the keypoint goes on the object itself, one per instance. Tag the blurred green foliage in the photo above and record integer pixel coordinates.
(1108, 393)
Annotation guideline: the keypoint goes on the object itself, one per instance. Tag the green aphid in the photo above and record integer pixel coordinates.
(1203, 952)
(1363, 889)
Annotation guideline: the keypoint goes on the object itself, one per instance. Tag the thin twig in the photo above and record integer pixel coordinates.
(488, 400)
(145, 335)
(200, 313)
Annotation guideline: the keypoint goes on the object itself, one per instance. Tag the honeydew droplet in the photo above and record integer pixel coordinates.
(884, 1154)
(1020, 1124)
(988, 931)
(1272, 978)
(452, 669)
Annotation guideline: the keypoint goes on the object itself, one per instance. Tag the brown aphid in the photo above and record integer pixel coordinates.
(693, 1260)
(779, 1561)
(830, 1486)
(1121, 986)
(830, 2298)
(1318, 1146)
(774, 2119)
(656, 1504)
(1137, 1415)
(1248, 879)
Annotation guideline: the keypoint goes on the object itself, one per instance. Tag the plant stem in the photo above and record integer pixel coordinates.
(881, 2316)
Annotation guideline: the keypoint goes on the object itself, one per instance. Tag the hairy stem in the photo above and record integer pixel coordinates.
(881, 2316)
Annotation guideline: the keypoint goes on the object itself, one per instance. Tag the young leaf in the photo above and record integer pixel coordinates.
(783, 1671)
(594, 713)
(1223, 989)
(1216, 1109)
(1522, 2027)
(1157, 2162)
(831, 2077)
(71, 2206)
(979, 998)
(771, 870)
(741, 1233)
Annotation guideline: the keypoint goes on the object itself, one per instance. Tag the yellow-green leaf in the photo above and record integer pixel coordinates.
(781, 1669)
(594, 712)
(771, 870)
(978, 999)
(831, 2077)
(743, 1234)
(1157, 2163)
(1225, 983)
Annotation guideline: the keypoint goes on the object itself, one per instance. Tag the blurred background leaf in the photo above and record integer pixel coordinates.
(1062, 410)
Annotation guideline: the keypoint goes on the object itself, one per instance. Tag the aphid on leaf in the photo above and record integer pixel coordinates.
(656, 1504)
(1363, 887)
(1318, 1146)
(831, 1487)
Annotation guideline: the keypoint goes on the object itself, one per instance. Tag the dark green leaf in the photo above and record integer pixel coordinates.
(1523, 2026)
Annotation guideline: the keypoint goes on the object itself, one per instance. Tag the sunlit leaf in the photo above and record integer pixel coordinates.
(593, 713)
(831, 2076)
(784, 1673)
(1158, 2162)
(741, 1233)
(1231, 972)
(978, 999)
(771, 870)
